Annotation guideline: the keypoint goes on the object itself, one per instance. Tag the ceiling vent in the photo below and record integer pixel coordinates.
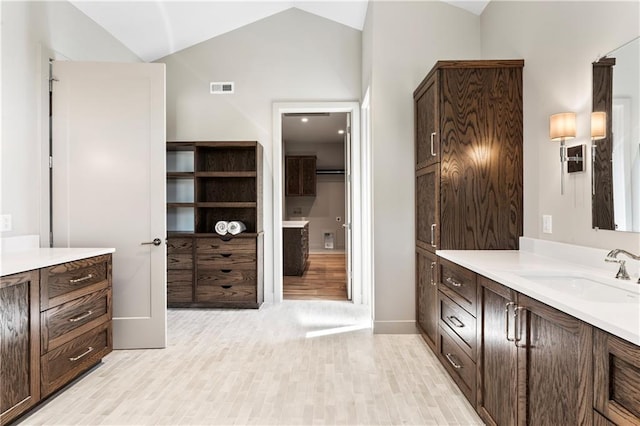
(217, 88)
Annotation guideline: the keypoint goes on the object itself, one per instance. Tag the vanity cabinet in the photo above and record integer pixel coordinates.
(300, 175)
(427, 296)
(616, 365)
(19, 344)
(534, 362)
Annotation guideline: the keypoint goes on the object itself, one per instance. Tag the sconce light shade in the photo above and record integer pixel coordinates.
(562, 126)
(598, 125)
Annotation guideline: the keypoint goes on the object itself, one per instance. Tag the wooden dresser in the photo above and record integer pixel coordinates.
(61, 315)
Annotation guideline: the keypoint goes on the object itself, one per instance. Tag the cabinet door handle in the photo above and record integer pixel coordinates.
(81, 317)
(225, 254)
(433, 235)
(433, 268)
(517, 330)
(225, 271)
(82, 355)
(79, 280)
(453, 362)
(456, 321)
(506, 320)
(433, 152)
(227, 286)
(454, 282)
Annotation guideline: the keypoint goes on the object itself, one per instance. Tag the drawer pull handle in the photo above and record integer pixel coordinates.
(452, 361)
(227, 286)
(433, 277)
(433, 235)
(456, 321)
(454, 282)
(79, 280)
(433, 153)
(506, 319)
(225, 238)
(81, 317)
(225, 271)
(225, 254)
(82, 355)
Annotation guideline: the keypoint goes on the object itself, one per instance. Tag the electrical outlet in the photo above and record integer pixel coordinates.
(547, 224)
(338, 219)
(297, 211)
(5, 222)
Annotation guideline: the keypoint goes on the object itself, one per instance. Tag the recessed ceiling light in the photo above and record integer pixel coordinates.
(304, 119)
(341, 132)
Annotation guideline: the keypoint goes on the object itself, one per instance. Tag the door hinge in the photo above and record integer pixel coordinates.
(51, 80)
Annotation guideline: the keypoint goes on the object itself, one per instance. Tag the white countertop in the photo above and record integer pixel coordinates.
(507, 266)
(26, 260)
(294, 223)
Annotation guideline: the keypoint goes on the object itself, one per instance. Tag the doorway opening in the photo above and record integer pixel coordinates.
(352, 178)
(315, 214)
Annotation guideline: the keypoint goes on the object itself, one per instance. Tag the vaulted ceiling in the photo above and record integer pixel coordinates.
(154, 29)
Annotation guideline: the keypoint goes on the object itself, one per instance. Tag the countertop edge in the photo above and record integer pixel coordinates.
(31, 259)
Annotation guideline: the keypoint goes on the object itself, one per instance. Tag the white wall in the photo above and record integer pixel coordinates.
(406, 39)
(559, 41)
(329, 202)
(29, 31)
(290, 56)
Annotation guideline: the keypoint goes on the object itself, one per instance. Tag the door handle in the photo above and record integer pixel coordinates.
(156, 242)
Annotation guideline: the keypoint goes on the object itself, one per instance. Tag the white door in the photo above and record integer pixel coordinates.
(109, 184)
(348, 214)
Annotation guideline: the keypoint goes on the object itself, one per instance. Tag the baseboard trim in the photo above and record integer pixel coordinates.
(395, 327)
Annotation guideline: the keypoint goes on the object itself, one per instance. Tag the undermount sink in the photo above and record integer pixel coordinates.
(583, 287)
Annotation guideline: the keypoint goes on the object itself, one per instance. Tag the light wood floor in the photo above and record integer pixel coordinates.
(325, 279)
(265, 367)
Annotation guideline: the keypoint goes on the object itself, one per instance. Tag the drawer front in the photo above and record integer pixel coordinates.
(227, 277)
(179, 245)
(61, 365)
(459, 284)
(211, 292)
(224, 246)
(179, 261)
(227, 261)
(63, 323)
(179, 286)
(61, 283)
(460, 322)
(461, 368)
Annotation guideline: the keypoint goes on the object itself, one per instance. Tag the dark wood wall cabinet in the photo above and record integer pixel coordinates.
(55, 323)
(209, 182)
(295, 246)
(468, 160)
(300, 175)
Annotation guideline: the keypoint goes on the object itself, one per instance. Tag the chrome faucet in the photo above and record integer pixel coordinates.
(612, 256)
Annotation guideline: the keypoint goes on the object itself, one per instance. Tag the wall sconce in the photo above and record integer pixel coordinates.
(562, 126)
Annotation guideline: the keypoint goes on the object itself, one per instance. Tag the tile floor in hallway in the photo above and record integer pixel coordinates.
(294, 363)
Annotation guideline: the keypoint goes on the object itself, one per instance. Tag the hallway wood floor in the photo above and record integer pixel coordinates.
(279, 365)
(324, 279)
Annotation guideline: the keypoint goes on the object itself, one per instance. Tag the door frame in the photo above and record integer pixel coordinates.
(280, 108)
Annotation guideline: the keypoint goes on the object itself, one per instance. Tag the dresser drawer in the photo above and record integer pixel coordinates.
(213, 292)
(179, 261)
(61, 365)
(460, 323)
(179, 286)
(461, 368)
(227, 277)
(179, 245)
(227, 261)
(63, 323)
(226, 245)
(67, 281)
(459, 284)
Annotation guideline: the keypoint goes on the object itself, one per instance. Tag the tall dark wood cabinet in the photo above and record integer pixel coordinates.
(468, 159)
(300, 175)
(209, 182)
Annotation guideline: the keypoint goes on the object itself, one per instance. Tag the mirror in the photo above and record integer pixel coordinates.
(616, 157)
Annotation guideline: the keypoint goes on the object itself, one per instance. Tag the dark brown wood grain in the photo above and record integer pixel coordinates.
(497, 356)
(65, 322)
(225, 293)
(600, 420)
(427, 207)
(180, 288)
(295, 250)
(616, 365)
(427, 296)
(19, 344)
(300, 175)
(426, 123)
(207, 217)
(461, 368)
(59, 283)
(225, 158)
(227, 189)
(555, 369)
(459, 284)
(460, 323)
(179, 261)
(481, 158)
(602, 101)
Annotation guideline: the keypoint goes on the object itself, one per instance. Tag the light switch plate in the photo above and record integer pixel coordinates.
(5, 222)
(547, 224)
